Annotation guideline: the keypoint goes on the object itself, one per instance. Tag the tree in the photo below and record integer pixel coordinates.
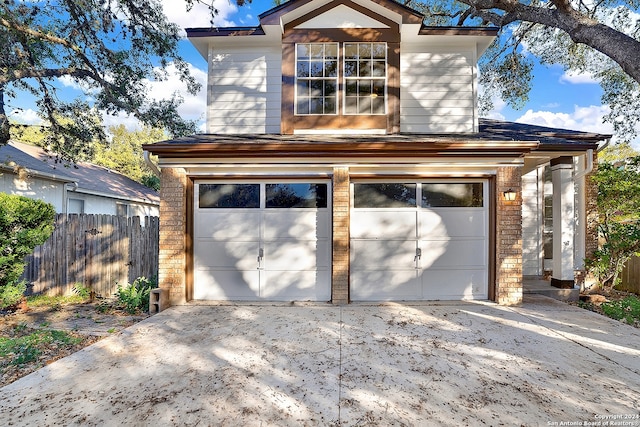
(109, 48)
(618, 219)
(24, 224)
(124, 153)
(598, 38)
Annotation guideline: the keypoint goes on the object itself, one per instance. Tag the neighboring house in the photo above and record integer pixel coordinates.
(345, 161)
(83, 188)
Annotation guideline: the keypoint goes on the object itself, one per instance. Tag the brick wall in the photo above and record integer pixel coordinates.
(341, 202)
(172, 257)
(508, 238)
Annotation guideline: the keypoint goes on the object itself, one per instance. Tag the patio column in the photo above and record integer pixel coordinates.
(563, 222)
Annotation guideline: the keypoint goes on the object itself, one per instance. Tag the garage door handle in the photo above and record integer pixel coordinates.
(260, 254)
(418, 254)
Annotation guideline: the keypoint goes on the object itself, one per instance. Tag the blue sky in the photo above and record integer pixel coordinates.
(557, 100)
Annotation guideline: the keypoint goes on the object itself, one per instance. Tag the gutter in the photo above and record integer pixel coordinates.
(154, 168)
(589, 166)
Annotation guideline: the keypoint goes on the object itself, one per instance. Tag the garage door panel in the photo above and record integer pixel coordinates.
(383, 254)
(383, 225)
(296, 255)
(210, 284)
(456, 222)
(236, 225)
(296, 285)
(455, 284)
(296, 224)
(214, 254)
(383, 285)
(453, 253)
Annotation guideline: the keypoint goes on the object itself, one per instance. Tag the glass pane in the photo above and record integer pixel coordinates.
(364, 87)
(317, 50)
(457, 194)
(364, 104)
(350, 50)
(378, 69)
(331, 51)
(229, 196)
(351, 105)
(316, 106)
(302, 106)
(296, 196)
(316, 87)
(303, 51)
(378, 87)
(303, 87)
(351, 69)
(379, 51)
(365, 50)
(377, 105)
(365, 69)
(330, 105)
(384, 195)
(302, 69)
(316, 69)
(329, 88)
(331, 69)
(351, 87)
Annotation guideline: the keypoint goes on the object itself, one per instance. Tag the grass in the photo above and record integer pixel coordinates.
(26, 346)
(80, 295)
(626, 310)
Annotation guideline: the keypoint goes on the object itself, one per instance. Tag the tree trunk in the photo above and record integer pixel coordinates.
(4, 121)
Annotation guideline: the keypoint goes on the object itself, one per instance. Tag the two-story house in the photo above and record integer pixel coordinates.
(345, 161)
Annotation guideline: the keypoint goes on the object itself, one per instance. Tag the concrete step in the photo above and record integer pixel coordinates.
(543, 287)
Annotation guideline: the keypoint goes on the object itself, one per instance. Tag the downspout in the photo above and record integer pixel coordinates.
(152, 166)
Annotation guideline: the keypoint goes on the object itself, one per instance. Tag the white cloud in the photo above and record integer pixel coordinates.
(573, 77)
(25, 117)
(199, 15)
(585, 119)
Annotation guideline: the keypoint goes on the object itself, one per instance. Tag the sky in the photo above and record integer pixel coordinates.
(556, 100)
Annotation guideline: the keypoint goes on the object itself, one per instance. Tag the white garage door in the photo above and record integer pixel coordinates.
(262, 241)
(419, 241)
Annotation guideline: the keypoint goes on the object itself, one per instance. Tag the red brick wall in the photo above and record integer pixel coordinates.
(508, 238)
(172, 257)
(340, 263)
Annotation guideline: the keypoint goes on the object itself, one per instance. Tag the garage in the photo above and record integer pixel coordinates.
(262, 240)
(423, 240)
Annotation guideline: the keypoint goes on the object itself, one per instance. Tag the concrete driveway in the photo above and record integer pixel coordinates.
(545, 363)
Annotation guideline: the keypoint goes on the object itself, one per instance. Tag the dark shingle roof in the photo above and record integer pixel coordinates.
(89, 177)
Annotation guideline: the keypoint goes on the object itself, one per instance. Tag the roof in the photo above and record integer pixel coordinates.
(494, 139)
(89, 177)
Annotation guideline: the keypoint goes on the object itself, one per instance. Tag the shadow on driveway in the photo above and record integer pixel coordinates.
(458, 363)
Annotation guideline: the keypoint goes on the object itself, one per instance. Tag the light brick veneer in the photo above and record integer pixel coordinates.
(340, 263)
(173, 220)
(509, 238)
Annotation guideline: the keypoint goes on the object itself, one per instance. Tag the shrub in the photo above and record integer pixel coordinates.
(24, 224)
(626, 309)
(135, 297)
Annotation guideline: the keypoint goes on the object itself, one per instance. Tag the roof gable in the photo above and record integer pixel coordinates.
(341, 16)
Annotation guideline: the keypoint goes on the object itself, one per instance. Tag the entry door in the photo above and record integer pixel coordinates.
(419, 241)
(261, 241)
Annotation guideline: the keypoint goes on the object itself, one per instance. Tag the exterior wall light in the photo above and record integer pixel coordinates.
(509, 195)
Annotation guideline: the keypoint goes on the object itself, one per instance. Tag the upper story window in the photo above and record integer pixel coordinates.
(361, 85)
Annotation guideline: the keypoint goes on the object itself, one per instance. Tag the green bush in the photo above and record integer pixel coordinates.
(24, 224)
(135, 297)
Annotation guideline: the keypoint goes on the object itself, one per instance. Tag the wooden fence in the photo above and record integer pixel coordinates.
(631, 276)
(96, 251)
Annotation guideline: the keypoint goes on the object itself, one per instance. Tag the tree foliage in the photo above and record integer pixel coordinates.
(619, 219)
(24, 224)
(109, 48)
(598, 39)
(124, 154)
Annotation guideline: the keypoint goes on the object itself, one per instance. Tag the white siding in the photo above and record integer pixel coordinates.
(94, 204)
(436, 90)
(34, 188)
(532, 224)
(244, 90)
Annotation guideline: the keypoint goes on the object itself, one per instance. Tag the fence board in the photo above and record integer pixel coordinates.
(631, 276)
(96, 251)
